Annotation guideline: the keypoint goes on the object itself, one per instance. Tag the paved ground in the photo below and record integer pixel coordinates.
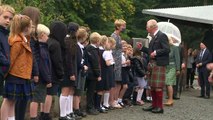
(189, 107)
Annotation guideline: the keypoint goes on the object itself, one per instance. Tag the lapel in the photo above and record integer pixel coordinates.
(152, 42)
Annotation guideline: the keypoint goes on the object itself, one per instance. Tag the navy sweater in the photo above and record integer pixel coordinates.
(44, 64)
(4, 51)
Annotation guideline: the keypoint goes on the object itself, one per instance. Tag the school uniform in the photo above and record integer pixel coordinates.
(109, 70)
(81, 73)
(124, 71)
(4, 55)
(44, 65)
(56, 47)
(69, 64)
(94, 71)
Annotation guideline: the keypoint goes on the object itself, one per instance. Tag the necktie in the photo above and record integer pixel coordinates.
(201, 54)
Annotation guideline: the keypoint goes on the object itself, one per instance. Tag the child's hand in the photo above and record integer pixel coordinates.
(49, 85)
(36, 79)
(72, 78)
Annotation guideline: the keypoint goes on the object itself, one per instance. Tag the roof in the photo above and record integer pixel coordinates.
(199, 14)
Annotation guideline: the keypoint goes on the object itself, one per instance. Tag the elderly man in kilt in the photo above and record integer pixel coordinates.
(159, 57)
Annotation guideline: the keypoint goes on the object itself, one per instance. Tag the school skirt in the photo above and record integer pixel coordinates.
(157, 75)
(14, 91)
(125, 75)
(107, 79)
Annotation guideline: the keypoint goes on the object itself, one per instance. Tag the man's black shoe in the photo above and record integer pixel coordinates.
(150, 108)
(176, 98)
(207, 97)
(157, 110)
(201, 96)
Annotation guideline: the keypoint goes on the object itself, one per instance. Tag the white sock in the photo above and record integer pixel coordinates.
(139, 95)
(106, 99)
(68, 108)
(11, 118)
(71, 103)
(63, 105)
(119, 100)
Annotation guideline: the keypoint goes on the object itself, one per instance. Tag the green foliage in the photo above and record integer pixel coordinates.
(99, 15)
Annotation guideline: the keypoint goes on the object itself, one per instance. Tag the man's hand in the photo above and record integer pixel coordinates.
(139, 45)
(36, 79)
(199, 65)
(72, 78)
(49, 85)
(99, 78)
(183, 66)
(85, 68)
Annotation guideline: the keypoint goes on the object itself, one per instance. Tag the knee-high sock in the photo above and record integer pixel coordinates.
(154, 99)
(63, 105)
(68, 107)
(159, 99)
(106, 99)
(71, 103)
(139, 95)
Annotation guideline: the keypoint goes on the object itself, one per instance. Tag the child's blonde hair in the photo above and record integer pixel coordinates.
(104, 40)
(112, 41)
(19, 24)
(81, 35)
(118, 23)
(6, 8)
(95, 38)
(43, 29)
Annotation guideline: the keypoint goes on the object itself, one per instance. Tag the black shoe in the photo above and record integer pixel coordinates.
(176, 98)
(102, 110)
(47, 117)
(92, 112)
(66, 118)
(109, 108)
(74, 116)
(157, 110)
(207, 97)
(150, 108)
(80, 113)
(201, 96)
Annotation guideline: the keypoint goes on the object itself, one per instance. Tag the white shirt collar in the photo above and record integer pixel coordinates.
(93, 45)
(101, 48)
(156, 32)
(80, 45)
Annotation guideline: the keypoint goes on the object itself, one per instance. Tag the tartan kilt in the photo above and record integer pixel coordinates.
(19, 91)
(157, 75)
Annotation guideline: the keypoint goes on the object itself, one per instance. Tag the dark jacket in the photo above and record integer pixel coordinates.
(4, 51)
(70, 58)
(34, 44)
(56, 46)
(138, 67)
(44, 63)
(207, 58)
(93, 57)
(160, 44)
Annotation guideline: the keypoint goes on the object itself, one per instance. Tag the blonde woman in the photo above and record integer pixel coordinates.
(172, 70)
